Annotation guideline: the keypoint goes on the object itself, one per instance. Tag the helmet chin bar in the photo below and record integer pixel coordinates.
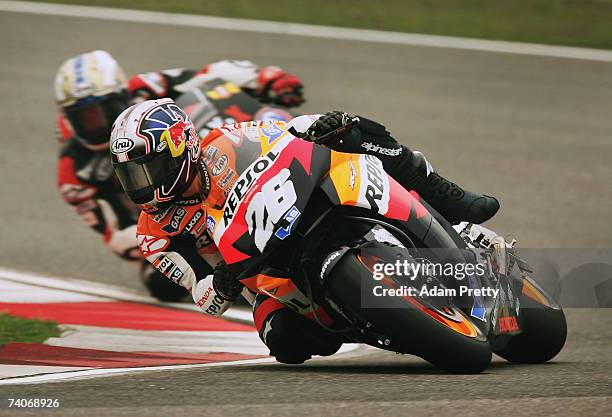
(162, 188)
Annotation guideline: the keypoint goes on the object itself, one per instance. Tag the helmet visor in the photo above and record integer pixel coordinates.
(93, 117)
(143, 175)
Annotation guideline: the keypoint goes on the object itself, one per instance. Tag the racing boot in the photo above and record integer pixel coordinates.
(411, 169)
(291, 338)
(454, 203)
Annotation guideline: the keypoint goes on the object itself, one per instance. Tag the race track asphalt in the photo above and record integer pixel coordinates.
(535, 132)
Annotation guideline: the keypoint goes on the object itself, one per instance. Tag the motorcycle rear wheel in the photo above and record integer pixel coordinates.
(543, 336)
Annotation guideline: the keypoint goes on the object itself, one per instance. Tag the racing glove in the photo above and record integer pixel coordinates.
(345, 133)
(215, 293)
(225, 283)
(280, 87)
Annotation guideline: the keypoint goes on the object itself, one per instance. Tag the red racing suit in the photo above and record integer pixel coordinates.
(85, 178)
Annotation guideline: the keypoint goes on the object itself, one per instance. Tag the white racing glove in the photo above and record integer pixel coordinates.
(216, 293)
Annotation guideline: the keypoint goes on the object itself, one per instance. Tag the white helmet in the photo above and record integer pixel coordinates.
(154, 152)
(91, 90)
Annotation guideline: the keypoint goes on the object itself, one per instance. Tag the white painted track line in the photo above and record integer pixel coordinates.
(107, 291)
(13, 372)
(113, 371)
(166, 341)
(297, 29)
(19, 292)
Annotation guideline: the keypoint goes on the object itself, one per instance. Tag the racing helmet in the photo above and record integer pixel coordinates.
(91, 90)
(154, 152)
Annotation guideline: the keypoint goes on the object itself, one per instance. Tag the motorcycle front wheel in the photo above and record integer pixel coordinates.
(445, 337)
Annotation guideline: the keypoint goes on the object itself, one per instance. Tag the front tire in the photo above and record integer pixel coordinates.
(410, 329)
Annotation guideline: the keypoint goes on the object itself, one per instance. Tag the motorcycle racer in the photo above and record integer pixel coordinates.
(91, 90)
(167, 170)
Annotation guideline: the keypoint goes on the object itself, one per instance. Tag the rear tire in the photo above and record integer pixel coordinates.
(409, 329)
(544, 334)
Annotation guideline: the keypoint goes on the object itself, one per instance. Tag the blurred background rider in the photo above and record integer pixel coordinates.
(91, 90)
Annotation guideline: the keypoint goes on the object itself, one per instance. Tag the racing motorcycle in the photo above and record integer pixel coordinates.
(326, 219)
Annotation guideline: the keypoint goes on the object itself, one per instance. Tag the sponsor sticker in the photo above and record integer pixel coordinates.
(508, 324)
(165, 264)
(328, 262)
(174, 136)
(271, 131)
(168, 268)
(290, 219)
(161, 215)
(175, 220)
(478, 312)
(220, 165)
(122, 145)
(162, 145)
(225, 180)
(244, 182)
(210, 154)
(381, 150)
(151, 244)
(353, 176)
(205, 296)
(176, 274)
(194, 220)
(211, 223)
(200, 229)
(376, 189)
(192, 201)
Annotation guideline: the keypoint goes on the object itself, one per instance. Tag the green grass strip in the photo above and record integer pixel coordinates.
(17, 329)
(586, 23)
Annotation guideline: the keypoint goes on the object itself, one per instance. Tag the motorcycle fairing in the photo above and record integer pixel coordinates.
(360, 180)
(277, 174)
(267, 199)
(272, 191)
(285, 290)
